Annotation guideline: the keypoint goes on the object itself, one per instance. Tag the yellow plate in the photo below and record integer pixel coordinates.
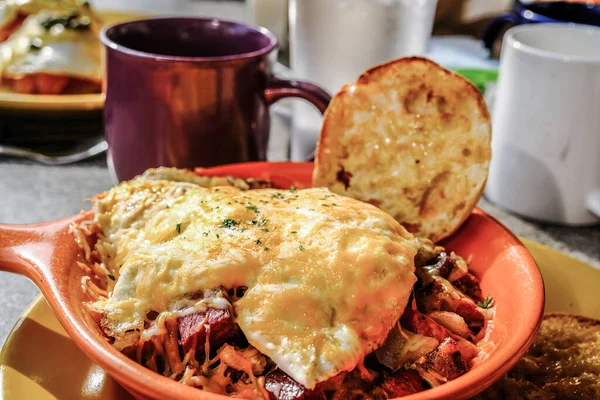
(10, 100)
(39, 361)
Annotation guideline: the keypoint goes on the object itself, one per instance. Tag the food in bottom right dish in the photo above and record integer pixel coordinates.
(562, 363)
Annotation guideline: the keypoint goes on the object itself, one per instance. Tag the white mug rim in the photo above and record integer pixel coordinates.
(511, 39)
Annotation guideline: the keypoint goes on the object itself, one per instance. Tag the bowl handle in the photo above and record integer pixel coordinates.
(29, 249)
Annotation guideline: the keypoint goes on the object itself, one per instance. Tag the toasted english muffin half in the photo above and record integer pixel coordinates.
(562, 363)
(412, 138)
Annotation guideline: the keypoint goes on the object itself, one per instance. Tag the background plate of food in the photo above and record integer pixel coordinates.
(51, 55)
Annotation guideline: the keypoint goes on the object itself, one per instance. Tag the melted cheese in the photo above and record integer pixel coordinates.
(327, 276)
(11, 9)
(58, 50)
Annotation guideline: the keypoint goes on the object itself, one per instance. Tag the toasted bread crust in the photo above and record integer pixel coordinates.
(411, 138)
(562, 363)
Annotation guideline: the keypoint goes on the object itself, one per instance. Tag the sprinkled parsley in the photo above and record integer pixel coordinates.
(267, 249)
(253, 208)
(486, 303)
(292, 189)
(178, 228)
(294, 232)
(253, 222)
(218, 236)
(111, 277)
(228, 223)
(263, 222)
(300, 247)
(324, 205)
(265, 229)
(277, 196)
(257, 241)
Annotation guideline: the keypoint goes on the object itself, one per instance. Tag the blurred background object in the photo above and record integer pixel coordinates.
(273, 15)
(332, 42)
(531, 12)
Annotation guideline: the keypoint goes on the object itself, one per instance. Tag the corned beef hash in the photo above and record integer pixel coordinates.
(240, 289)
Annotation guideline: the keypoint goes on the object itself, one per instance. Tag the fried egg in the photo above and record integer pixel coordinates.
(327, 276)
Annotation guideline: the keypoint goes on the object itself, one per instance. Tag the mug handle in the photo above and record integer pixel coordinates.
(493, 29)
(278, 89)
(592, 202)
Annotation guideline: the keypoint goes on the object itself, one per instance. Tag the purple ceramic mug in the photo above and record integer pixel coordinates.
(188, 92)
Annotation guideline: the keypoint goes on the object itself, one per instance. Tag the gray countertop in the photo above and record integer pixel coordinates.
(32, 193)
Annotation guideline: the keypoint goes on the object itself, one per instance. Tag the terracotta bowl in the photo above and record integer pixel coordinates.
(46, 253)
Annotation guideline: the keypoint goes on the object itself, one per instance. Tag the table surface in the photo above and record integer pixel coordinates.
(31, 193)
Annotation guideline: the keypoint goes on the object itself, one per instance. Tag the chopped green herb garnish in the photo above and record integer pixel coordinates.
(324, 205)
(267, 249)
(263, 222)
(253, 222)
(244, 229)
(205, 233)
(228, 223)
(218, 236)
(178, 228)
(111, 277)
(294, 232)
(278, 196)
(257, 241)
(333, 204)
(300, 247)
(265, 229)
(292, 189)
(252, 207)
(486, 303)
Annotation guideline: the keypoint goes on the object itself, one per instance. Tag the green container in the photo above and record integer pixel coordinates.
(479, 77)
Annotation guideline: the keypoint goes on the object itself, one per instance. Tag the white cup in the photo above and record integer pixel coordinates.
(546, 124)
(333, 41)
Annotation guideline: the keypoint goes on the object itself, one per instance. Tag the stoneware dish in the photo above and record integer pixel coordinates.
(46, 253)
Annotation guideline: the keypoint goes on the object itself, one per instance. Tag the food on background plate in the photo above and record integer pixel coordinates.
(14, 12)
(563, 363)
(412, 138)
(268, 293)
(54, 51)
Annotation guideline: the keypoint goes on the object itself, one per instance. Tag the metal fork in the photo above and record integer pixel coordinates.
(19, 152)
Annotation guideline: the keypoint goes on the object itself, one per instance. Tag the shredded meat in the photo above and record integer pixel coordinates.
(281, 387)
(402, 383)
(192, 329)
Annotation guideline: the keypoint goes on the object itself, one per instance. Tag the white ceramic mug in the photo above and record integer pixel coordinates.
(333, 41)
(546, 124)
